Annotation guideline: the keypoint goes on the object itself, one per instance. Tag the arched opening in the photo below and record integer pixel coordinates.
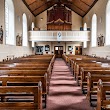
(9, 22)
(85, 44)
(94, 31)
(107, 40)
(85, 26)
(32, 26)
(25, 35)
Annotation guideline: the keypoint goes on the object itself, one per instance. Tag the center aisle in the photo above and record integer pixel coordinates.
(64, 94)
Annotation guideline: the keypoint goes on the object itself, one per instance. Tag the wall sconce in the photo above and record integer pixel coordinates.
(41, 19)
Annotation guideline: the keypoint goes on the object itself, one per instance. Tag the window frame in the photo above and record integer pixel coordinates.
(94, 31)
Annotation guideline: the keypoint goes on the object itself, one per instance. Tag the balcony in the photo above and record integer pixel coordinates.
(59, 36)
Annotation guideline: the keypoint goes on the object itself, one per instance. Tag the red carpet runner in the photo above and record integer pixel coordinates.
(64, 93)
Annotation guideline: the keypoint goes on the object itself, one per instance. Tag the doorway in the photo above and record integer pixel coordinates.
(58, 51)
(78, 50)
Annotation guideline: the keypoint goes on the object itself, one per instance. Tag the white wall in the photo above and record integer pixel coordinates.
(20, 8)
(100, 10)
(42, 24)
(76, 21)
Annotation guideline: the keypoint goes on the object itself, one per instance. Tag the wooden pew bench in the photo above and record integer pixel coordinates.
(22, 60)
(76, 62)
(84, 71)
(23, 68)
(25, 64)
(25, 73)
(103, 103)
(33, 59)
(92, 80)
(26, 81)
(41, 56)
(34, 91)
(73, 58)
(47, 70)
(78, 69)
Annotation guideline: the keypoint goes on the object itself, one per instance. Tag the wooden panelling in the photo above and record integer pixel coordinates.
(57, 27)
(81, 7)
(59, 18)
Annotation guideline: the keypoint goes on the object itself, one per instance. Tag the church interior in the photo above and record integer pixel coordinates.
(55, 54)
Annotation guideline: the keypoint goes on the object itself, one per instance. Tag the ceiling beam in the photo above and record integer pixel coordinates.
(28, 7)
(32, 3)
(71, 3)
(46, 3)
(85, 3)
(73, 10)
(91, 6)
(47, 7)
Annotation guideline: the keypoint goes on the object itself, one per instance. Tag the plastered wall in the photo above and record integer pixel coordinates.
(20, 8)
(76, 21)
(100, 10)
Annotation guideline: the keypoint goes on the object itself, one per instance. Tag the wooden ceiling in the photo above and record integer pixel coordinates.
(81, 7)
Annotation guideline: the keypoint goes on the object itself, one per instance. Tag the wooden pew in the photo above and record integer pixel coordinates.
(35, 91)
(47, 70)
(18, 60)
(31, 60)
(83, 58)
(72, 58)
(41, 76)
(102, 102)
(78, 69)
(23, 68)
(76, 63)
(25, 64)
(24, 73)
(84, 71)
(92, 80)
(29, 68)
(26, 81)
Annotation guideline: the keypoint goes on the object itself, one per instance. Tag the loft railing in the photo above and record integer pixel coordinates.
(59, 36)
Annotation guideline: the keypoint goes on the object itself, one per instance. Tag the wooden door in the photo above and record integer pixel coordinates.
(58, 50)
(78, 50)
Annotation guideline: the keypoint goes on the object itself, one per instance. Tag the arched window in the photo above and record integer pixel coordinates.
(25, 35)
(33, 43)
(85, 27)
(107, 40)
(94, 31)
(9, 22)
(32, 26)
(85, 44)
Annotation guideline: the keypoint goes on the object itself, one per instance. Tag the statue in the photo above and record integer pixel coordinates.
(1, 35)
